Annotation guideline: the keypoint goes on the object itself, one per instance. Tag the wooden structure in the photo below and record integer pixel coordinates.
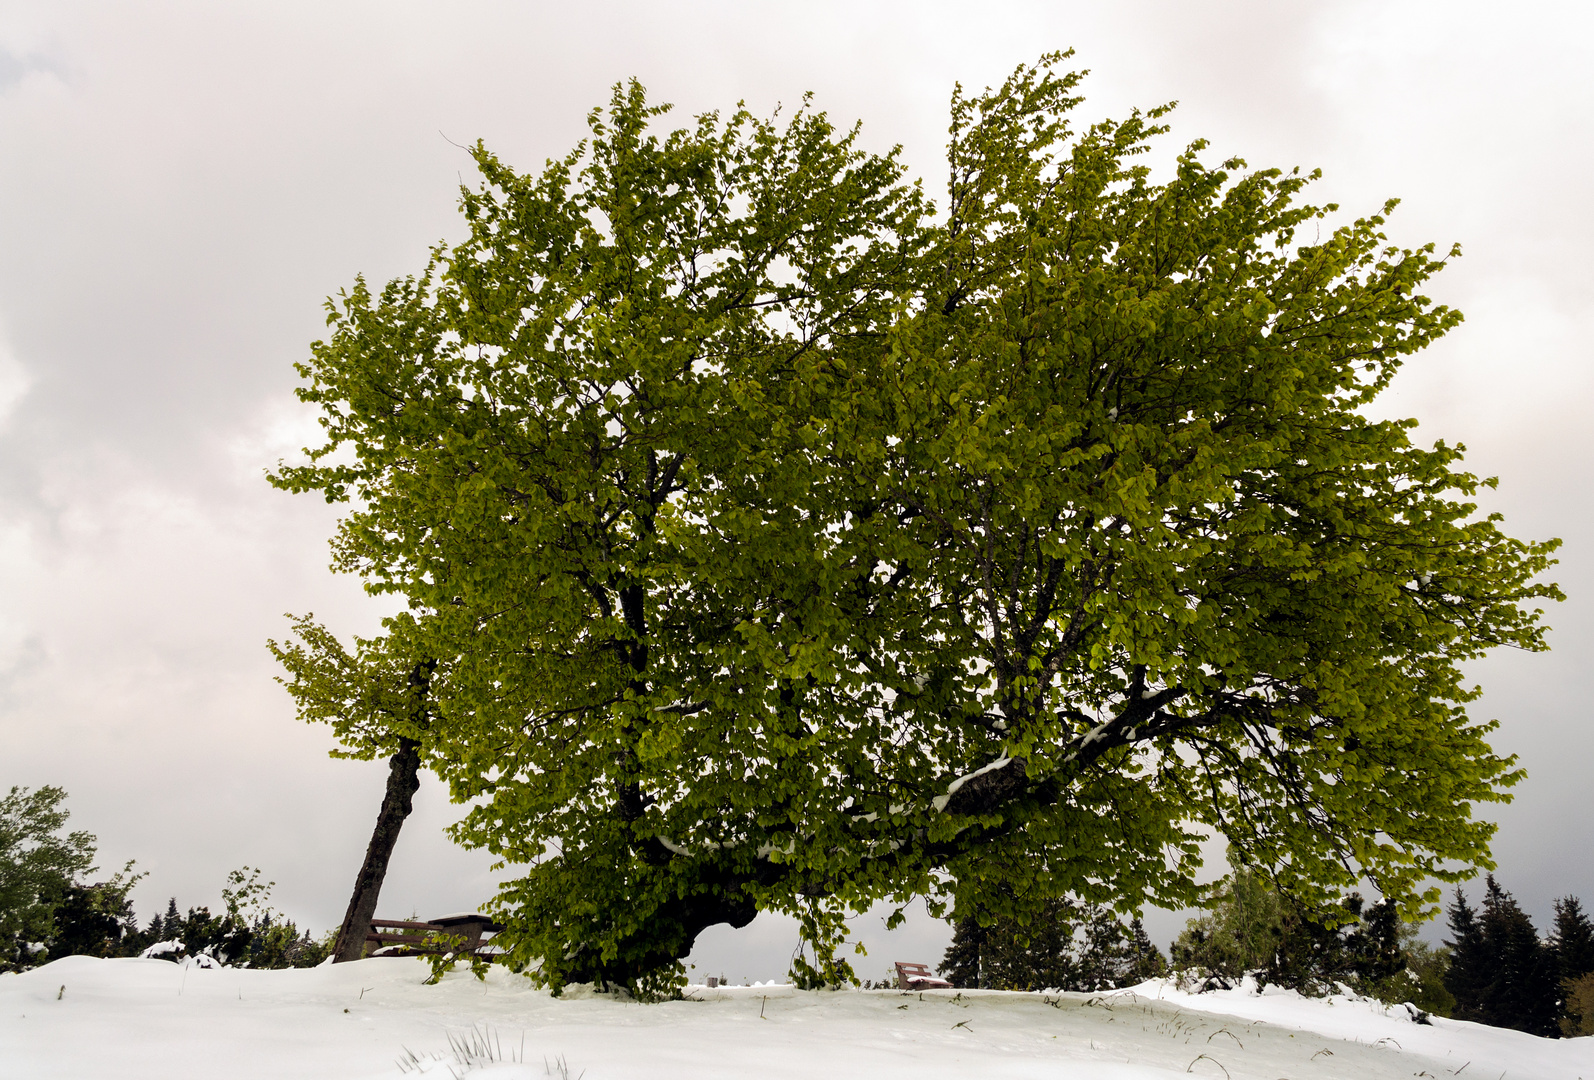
(918, 977)
(408, 938)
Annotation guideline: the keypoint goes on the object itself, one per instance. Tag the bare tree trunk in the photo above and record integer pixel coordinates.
(403, 779)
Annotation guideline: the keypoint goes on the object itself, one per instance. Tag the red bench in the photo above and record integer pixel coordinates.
(918, 977)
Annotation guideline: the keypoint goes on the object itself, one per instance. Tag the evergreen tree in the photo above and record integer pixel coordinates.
(1036, 956)
(1111, 955)
(1103, 949)
(1311, 954)
(1468, 976)
(961, 964)
(1374, 953)
(94, 920)
(1573, 940)
(1522, 991)
(167, 927)
(1072, 947)
(1146, 959)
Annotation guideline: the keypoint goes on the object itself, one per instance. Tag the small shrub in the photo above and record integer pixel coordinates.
(1422, 980)
(446, 951)
(1578, 1008)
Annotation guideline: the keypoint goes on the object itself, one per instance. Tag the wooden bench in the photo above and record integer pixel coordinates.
(411, 938)
(918, 977)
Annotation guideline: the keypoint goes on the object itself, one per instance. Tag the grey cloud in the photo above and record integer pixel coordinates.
(14, 67)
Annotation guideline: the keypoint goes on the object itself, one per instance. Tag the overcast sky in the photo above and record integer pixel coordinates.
(181, 185)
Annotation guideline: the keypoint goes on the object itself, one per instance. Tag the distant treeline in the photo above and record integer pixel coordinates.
(1494, 969)
(48, 910)
(98, 920)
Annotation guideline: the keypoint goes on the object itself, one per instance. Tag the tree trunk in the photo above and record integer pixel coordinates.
(403, 778)
(670, 929)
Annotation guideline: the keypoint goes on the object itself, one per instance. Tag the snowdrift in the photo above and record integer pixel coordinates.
(153, 1020)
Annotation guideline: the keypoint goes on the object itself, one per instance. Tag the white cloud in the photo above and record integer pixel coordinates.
(14, 381)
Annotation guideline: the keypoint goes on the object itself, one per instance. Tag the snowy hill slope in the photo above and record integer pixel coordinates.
(148, 1019)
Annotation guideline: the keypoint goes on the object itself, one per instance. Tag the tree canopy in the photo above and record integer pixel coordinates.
(782, 540)
(39, 864)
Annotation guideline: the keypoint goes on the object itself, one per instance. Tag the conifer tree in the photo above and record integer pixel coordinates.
(1573, 940)
(1311, 953)
(1374, 951)
(1038, 955)
(1111, 955)
(1074, 946)
(94, 920)
(1468, 976)
(1521, 988)
(961, 964)
(1148, 961)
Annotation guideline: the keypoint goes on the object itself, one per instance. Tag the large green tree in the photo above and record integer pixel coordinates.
(787, 543)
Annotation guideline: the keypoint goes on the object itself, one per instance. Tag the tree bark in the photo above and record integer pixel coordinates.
(671, 929)
(403, 778)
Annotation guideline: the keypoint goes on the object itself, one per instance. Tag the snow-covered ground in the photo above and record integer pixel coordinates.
(136, 1019)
